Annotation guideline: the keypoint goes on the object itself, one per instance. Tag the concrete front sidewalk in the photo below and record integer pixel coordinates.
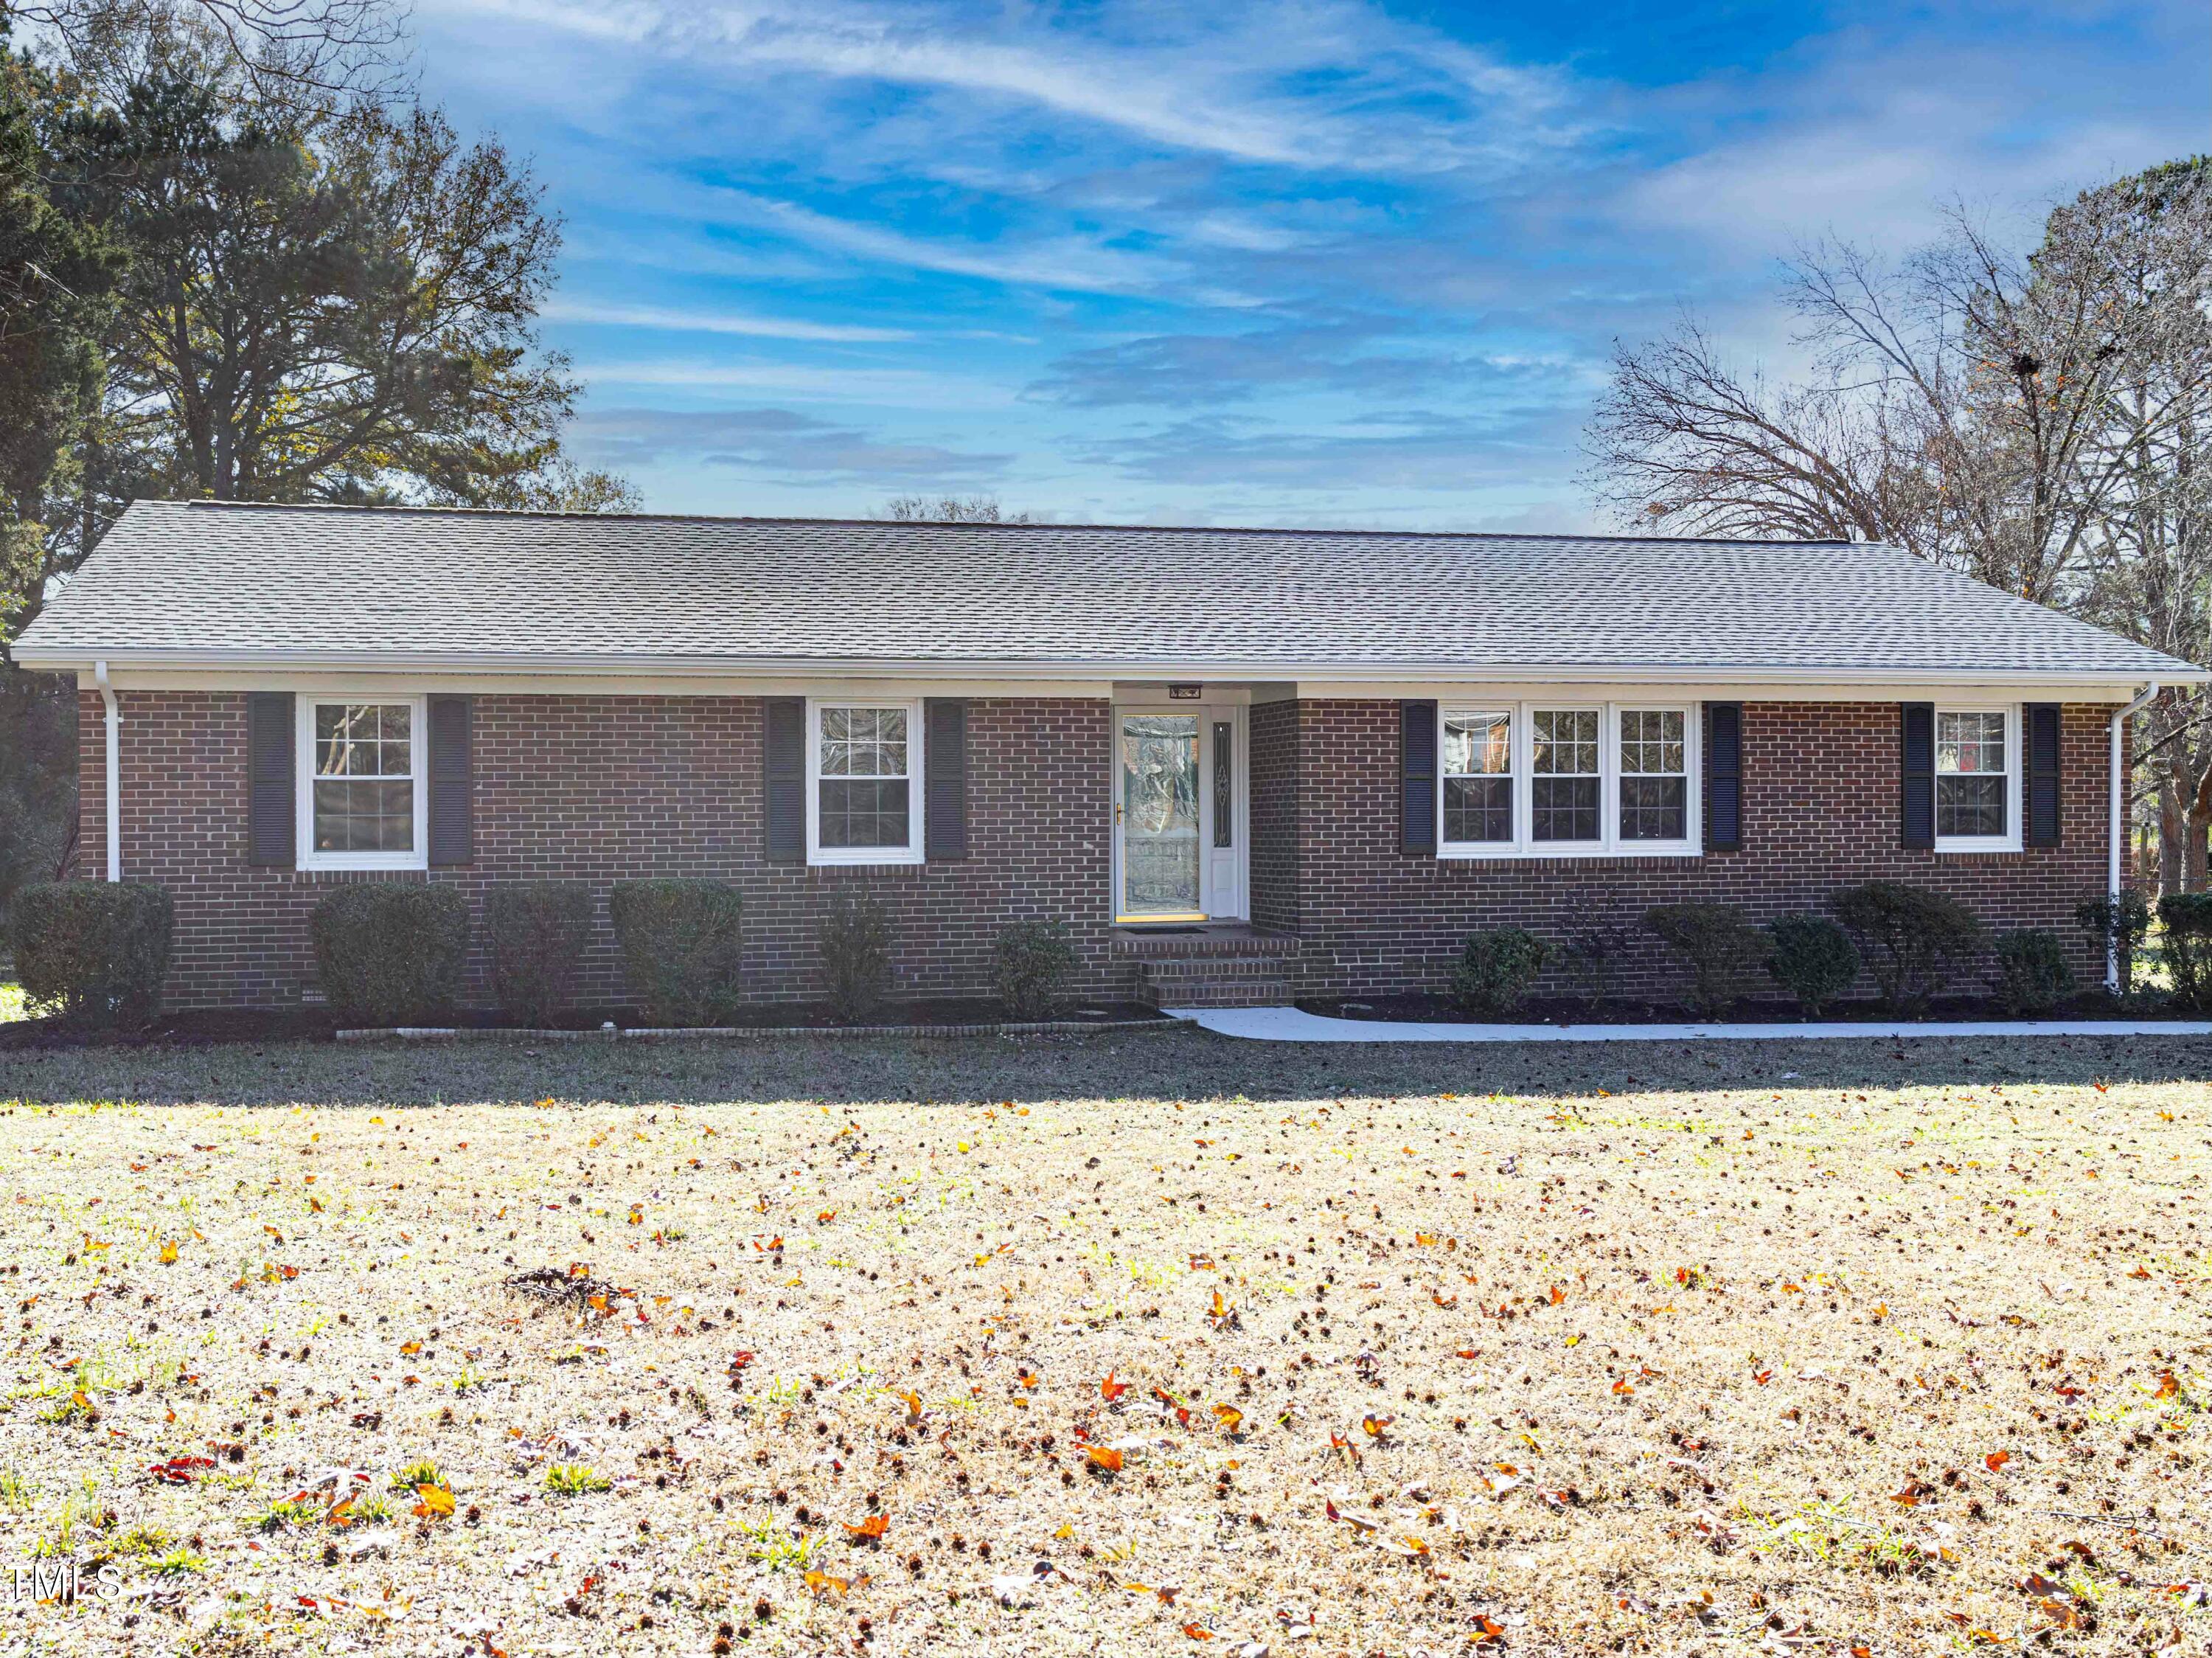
(1295, 1025)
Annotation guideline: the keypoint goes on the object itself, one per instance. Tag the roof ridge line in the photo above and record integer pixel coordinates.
(943, 523)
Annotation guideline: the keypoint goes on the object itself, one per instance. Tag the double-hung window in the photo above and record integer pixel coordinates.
(1478, 773)
(1655, 774)
(1548, 779)
(864, 794)
(1976, 779)
(363, 801)
(1566, 779)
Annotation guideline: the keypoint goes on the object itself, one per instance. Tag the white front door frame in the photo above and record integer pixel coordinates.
(1224, 872)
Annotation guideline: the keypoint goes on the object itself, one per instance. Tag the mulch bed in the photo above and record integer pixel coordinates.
(1431, 1009)
(212, 1025)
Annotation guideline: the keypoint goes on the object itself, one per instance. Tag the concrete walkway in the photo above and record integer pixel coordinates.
(1294, 1025)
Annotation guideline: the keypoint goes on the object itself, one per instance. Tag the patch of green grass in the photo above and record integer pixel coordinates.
(776, 1548)
(76, 1407)
(12, 1005)
(421, 1472)
(180, 1562)
(15, 1491)
(288, 1513)
(575, 1479)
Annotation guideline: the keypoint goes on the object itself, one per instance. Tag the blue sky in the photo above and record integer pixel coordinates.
(1193, 261)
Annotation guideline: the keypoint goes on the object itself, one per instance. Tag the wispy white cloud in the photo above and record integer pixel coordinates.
(1303, 84)
(713, 322)
(916, 388)
(1051, 235)
(1076, 263)
(775, 441)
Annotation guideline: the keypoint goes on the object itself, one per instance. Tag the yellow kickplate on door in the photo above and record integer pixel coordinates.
(1144, 921)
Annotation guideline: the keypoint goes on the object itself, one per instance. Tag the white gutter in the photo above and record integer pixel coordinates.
(114, 772)
(2117, 829)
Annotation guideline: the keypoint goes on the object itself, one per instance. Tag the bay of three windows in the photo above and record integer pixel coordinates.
(1525, 776)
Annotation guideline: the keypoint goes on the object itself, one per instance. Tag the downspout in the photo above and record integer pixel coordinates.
(2115, 826)
(115, 771)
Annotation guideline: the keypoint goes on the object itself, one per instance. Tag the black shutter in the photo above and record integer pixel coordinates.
(1723, 776)
(1916, 763)
(453, 780)
(944, 777)
(784, 752)
(2043, 813)
(272, 809)
(1417, 776)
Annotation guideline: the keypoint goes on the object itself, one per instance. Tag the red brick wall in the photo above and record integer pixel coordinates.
(1274, 780)
(598, 789)
(1819, 812)
(601, 788)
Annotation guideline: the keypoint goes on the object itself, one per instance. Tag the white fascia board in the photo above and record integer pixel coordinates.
(1921, 688)
(240, 667)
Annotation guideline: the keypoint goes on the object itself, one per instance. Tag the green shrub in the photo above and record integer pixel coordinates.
(538, 931)
(1909, 937)
(390, 952)
(1496, 967)
(1719, 944)
(1813, 958)
(2032, 970)
(2118, 925)
(680, 941)
(854, 937)
(2187, 920)
(1033, 961)
(95, 952)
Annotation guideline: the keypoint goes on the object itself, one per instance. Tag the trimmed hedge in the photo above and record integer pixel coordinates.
(391, 953)
(1813, 958)
(680, 940)
(2187, 920)
(1720, 945)
(1496, 967)
(538, 931)
(854, 937)
(94, 952)
(1032, 962)
(2032, 970)
(1910, 937)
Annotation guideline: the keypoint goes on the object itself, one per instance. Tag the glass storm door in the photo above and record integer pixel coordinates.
(1158, 818)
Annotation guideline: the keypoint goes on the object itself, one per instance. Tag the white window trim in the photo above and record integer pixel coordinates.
(2015, 767)
(1524, 845)
(303, 769)
(914, 850)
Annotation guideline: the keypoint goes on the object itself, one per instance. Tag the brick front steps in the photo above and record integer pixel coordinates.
(1217, 965)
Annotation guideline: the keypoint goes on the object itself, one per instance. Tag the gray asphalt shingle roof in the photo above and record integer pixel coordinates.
(176, 581)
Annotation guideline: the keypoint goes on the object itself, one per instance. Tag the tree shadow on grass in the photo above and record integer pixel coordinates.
(1168, 1064)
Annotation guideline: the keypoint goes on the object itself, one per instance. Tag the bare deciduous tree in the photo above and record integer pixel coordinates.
(950, 509)
(2037, 421)
(288, 50)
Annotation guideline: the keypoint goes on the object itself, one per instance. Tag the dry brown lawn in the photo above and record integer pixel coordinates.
(1146, 1344)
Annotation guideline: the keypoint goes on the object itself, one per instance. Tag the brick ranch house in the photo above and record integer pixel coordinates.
(1242, 765)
